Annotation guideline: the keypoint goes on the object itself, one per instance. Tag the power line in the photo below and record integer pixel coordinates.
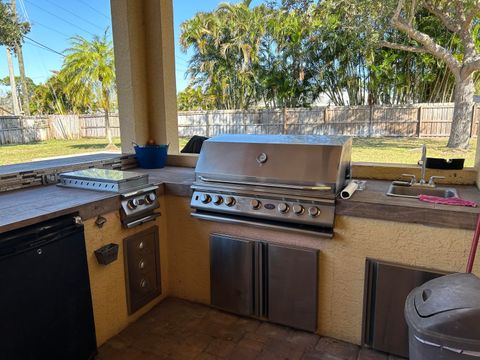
(94, 9)
(44, 46)
(76, 15)
(58, 17)
(24, 10)
(51, 29)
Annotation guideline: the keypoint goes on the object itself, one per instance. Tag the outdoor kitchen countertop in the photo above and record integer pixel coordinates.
(28, 206)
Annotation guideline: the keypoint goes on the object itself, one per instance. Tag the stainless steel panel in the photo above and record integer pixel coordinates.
(103, 180)
(231, 274)
(302, 160)
(143, 220)
(293, 286)
(268, 208)
(142, 268)
(386, 289)
(310, 230)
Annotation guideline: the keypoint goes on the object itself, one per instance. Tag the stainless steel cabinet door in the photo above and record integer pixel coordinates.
(292, 279)
(387, 287)
(231, 274)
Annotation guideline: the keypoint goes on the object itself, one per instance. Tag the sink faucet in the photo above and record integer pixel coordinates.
(422, 162)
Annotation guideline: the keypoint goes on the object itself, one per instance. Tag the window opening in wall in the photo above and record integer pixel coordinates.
(57, 80)
(328, 68)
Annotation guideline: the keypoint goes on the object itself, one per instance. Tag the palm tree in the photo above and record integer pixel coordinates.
(226, 43)
(89, 74)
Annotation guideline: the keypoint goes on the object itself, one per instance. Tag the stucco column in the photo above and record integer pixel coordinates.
(145, 68)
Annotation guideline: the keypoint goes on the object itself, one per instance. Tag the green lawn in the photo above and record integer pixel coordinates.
(387, 150)
(407, 150)
(11, 154)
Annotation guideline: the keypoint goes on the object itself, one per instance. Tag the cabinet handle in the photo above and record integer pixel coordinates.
(141, 264)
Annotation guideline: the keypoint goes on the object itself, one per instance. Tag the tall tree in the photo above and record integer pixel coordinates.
(390, 22)
(88, 73)
(12, 32)
(21, 67)
(226, 45)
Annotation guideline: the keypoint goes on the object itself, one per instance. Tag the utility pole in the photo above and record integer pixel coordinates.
(21, 68)
(16, 109)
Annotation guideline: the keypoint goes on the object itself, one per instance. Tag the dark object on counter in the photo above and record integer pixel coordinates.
(151, 156)
(450, 164)
(45, 293)
(194, 145)
(387, 286)
(443, 316)
(107, 254)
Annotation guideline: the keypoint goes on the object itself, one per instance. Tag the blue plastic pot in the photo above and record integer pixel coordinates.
(151, 156)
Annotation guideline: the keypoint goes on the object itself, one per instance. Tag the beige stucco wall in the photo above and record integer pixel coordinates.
(342, 259)
(108, 281)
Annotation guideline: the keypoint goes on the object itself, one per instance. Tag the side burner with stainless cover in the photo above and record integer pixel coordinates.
(285, 182)
(138, 196)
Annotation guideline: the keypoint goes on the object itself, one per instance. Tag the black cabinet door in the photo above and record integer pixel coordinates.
(45, 301)
(387, 287)
(292, 280)
(231, 274)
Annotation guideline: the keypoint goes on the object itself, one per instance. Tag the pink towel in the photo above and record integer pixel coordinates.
(456, 201)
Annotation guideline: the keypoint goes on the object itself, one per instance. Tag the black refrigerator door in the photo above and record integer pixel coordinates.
(231, 274)
(45, 301)
(292, 282)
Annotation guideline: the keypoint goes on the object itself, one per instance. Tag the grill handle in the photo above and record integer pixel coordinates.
(258, 223)
(280, 186)
(134, 223)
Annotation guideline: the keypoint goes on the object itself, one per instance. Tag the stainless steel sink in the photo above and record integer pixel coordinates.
(405, 189)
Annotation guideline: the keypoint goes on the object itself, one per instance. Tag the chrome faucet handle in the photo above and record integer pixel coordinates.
(413, 178)
(431, 182)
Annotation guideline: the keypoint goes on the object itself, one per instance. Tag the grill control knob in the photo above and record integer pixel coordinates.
(313, 211)
(217, 199)
(298, 209)
(150, 198)
(205, 198)
(283, 208)
(133, 204)
(255, 204)
(229, 201)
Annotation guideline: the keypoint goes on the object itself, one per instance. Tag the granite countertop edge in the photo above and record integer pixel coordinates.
(176, 181)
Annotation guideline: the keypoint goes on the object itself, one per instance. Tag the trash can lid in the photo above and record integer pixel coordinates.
(446, 311)
(447, 293)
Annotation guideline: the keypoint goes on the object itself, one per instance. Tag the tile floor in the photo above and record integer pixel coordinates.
(177, 330)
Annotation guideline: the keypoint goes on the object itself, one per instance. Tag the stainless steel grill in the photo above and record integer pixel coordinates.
(275, 181)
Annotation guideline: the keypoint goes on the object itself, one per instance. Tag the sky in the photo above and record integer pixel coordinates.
(54, 22)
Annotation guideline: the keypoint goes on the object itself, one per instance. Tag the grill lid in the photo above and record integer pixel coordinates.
(302, 162)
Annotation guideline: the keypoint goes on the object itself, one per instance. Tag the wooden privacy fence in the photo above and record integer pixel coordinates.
(419, 120)
(24, 130)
